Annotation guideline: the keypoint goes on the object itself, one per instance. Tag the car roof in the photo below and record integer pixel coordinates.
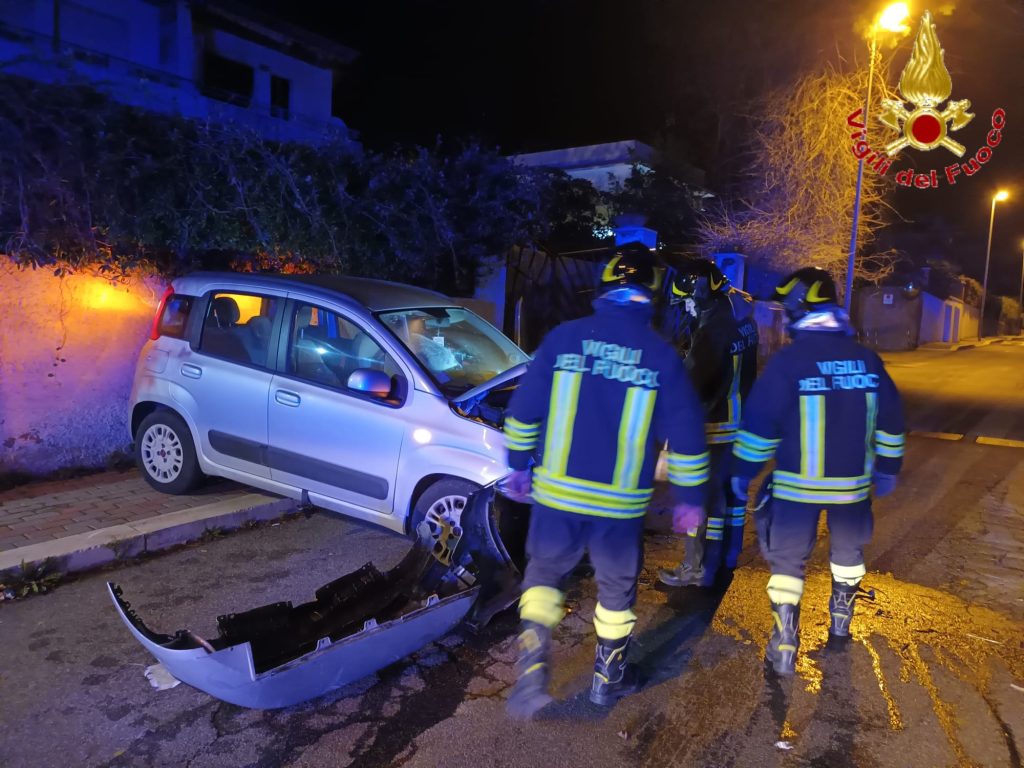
(374, 295)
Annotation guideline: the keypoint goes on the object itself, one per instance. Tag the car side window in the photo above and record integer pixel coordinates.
(326, 348)
(237, 327)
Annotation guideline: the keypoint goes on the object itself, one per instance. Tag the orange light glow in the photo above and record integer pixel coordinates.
(101, 294)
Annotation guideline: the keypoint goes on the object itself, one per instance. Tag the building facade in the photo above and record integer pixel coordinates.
(204, 59)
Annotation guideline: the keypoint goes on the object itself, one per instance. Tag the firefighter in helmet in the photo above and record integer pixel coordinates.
(722, 362)
(828, 413)
(583, 429)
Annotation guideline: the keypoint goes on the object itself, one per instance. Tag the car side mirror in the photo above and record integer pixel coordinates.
(370, 382)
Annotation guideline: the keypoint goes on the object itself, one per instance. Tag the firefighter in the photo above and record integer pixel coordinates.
(722, 361)
(583, 430)
(827, 411)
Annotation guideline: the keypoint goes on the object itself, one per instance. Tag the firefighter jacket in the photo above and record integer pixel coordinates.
(601, 397)
(722, 361)
(827, 411)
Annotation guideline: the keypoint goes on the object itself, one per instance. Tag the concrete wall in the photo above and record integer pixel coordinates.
(942, 320)
(67, 357)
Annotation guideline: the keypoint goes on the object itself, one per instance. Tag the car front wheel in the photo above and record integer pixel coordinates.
(166, 454)
(443, 500)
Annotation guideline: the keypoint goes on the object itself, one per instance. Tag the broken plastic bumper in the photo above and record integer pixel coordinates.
(279, 654)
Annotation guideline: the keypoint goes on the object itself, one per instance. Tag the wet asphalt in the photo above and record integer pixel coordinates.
(933, 675)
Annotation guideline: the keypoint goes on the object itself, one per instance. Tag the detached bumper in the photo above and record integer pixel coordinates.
(279, 654)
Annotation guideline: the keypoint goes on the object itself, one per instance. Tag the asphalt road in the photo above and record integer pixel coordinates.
(934, 675)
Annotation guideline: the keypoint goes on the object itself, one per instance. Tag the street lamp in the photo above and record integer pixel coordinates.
(1020, 296)
(998, 197)
(891, 19)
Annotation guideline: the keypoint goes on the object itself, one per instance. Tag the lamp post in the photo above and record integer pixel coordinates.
(998, 197)
(1020, 296)
(890, 19)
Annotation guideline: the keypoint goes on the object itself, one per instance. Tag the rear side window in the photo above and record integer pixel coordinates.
(237, 327)
(175, 316)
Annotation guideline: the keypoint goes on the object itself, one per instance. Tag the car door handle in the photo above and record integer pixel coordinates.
(287, 398)
(192, 371)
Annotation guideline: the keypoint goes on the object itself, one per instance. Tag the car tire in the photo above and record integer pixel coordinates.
(446, 498)
(166, 454)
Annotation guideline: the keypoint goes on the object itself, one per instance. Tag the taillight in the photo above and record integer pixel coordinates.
(154, 331)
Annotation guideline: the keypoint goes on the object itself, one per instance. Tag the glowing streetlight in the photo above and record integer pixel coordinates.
(890, 20)
(998, 197)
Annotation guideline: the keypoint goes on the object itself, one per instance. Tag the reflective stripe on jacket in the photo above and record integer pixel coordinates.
(829, 414)
(601, 396)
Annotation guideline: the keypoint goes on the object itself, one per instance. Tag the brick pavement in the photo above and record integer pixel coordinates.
(44, 511)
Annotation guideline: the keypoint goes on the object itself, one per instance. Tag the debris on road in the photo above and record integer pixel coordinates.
(160, 678)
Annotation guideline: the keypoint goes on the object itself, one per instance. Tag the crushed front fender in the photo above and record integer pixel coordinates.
(279, 654)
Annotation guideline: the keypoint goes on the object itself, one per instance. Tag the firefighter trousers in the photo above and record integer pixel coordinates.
(787, 531)
(557, 541)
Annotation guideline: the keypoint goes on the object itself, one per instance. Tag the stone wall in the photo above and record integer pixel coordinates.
(68, 348)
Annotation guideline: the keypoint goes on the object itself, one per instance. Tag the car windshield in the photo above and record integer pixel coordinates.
(458, 348)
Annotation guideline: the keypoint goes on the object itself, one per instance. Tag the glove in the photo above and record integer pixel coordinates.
(739, 487)
(517, 486)
(884, 484)
(687, 517)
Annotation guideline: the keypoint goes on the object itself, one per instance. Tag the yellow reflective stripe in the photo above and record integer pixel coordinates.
(534, 668)
(520, 436)
(542, 605)
(634, 429)
(579, 508)
(848, 574)
(782, 477)
(583, 498)
(812, 435)
(688, 470)
(785, 589)
(613, 625)
(871, 402)
(565, 392)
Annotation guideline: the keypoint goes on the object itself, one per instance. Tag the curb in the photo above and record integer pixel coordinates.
(85, 551)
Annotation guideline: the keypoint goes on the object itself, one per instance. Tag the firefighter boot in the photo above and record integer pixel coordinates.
(785, 639)
(840, 607)
(614, 678)
(530, 693)
(690, 572)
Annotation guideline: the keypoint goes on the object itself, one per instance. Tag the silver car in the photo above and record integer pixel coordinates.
(377, 400)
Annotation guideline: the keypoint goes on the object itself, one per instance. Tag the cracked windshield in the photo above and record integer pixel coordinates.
(459, 349)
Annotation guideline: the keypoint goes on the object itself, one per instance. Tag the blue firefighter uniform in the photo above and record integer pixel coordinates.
(722, 361)
(829, 415)
(601, 396)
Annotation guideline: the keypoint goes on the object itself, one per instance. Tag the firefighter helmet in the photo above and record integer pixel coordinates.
(632, 266)
(697, 279)
(805, 290)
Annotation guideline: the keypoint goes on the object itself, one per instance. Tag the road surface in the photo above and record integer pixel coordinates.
(934, 675)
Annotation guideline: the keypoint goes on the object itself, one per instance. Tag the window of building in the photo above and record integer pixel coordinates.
(227, 80)
(238, 326)
(325, 348)
(280, 96)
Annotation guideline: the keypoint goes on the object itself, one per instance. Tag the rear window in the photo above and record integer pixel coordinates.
(175, 316)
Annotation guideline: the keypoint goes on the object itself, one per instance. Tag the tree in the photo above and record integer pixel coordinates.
(88, 182)
(798, 205)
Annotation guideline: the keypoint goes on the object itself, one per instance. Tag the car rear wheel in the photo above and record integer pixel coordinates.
(444, 500)
(166, 454)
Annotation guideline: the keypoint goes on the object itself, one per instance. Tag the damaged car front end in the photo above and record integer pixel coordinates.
(282, 654)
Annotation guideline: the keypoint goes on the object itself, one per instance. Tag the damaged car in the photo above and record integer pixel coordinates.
(376, 400)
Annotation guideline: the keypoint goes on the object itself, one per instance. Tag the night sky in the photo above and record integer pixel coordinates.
(542, 74)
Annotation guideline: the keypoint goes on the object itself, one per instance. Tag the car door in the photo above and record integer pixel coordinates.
(337, 443)
(228, 377)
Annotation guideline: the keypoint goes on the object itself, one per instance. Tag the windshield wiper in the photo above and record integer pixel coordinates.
(478, 392)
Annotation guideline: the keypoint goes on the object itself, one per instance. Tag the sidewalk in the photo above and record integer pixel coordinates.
(87, 521)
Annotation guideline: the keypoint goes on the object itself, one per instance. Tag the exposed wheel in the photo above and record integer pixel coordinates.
(166, 454)
(445, 499)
